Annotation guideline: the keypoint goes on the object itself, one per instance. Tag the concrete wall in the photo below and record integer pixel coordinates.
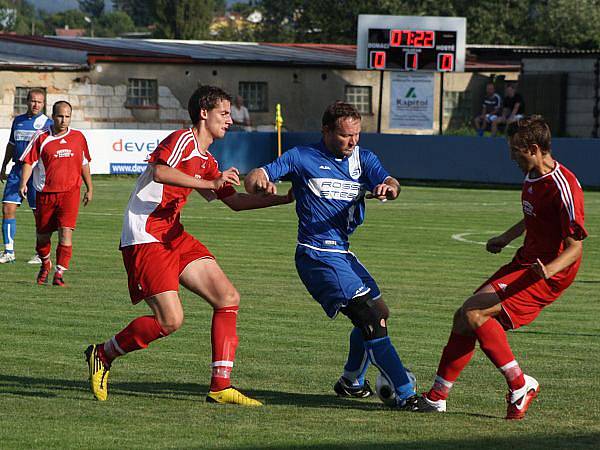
(580, 89)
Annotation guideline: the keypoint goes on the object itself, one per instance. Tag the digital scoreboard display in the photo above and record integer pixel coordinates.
(405, 49)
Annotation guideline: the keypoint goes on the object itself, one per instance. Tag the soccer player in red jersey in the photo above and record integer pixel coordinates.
(159, 255)
(59, 159)
(541, 270)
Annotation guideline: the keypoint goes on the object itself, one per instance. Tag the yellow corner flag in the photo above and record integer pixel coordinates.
(278, 124)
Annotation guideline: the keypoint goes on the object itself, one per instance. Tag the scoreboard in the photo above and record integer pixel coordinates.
(411, 43)
(403, 49)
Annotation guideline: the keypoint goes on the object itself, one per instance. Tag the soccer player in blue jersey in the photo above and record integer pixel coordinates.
(22, 130)
(330, 181)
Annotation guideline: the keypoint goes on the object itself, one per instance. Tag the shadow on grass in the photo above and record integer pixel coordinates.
(48, 388)
(510, 442)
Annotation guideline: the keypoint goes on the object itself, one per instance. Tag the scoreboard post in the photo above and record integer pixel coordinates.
(411, 43)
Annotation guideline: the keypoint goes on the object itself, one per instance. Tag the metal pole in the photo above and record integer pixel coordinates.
(380, 101)
(441, 112)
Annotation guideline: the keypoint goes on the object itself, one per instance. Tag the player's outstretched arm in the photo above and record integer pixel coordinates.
(258, 182)
(573, 250)
(168, 175)
(388, 190)
(242, 202)
(497, 243)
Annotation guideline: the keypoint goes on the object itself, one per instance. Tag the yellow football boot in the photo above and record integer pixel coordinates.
(231, 396)
(98, 373)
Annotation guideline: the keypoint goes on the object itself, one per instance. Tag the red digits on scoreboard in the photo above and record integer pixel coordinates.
(378, 60)
(396, 38)
(428, 41)
(418, 38)
(445, 62)
(412, 61)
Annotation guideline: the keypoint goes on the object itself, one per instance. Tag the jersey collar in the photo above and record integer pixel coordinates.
(549, 174)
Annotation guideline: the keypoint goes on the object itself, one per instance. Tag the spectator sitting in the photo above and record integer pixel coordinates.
(490, 109)
(513, 108)
(240, 116)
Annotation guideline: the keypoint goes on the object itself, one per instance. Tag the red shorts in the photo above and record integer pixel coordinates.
(523, 293)
(155, 267)
(56, 210)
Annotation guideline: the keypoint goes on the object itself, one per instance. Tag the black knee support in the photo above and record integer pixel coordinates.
(369, 316)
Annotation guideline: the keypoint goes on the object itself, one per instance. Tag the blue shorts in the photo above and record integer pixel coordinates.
(333, 279)
(11, 188)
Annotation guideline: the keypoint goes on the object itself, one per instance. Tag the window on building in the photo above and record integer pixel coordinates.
(360, 97)
(142, 92)
(254, 95)
(20, 105)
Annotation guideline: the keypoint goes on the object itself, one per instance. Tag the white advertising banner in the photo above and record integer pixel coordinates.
(115, 151)
(411, 102)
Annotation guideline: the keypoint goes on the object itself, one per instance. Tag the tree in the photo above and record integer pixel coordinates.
(114, 24)
(94, 8)
(140, 11)
(183, 19)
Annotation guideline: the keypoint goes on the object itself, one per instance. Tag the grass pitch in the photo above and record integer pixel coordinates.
(425, 252)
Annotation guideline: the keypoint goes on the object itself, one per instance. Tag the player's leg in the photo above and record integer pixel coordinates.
(66, 217)
(9, 229)
(205, 278)
(477, 122)
(64, 252)
(11, 199)
(166, 319)
(353, 383)
(31, 196)
(496, 123)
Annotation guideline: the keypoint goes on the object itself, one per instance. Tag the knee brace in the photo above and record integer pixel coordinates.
(369, 316)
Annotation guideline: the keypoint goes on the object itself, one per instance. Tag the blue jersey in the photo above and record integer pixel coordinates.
(23, 129)
(329, 191)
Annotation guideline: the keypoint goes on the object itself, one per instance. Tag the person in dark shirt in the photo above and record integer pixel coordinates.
(490, 109)
(513, 108)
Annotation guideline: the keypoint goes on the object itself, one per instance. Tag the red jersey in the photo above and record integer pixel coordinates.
(553, 210)
(59, 160)
(153, 211)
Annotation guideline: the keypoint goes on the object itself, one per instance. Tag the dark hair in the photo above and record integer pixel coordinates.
(336, 111)
(528, 131)
(205, 97)
(58, 103)
(35, 91)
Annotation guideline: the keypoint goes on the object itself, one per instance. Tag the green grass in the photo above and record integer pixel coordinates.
(290, 354)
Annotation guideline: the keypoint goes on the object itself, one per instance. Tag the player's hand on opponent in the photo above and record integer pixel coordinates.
(23, 191)
(496, 244)
(3, 176)
(539, 268)
(231, 176)
(87, 197)
(384, 192)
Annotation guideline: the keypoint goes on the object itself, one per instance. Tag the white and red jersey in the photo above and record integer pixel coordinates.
(57, 160)
(553, 209)
(153, 211)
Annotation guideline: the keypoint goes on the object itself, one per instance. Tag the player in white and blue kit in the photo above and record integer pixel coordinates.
(23, 129)
(330, 181)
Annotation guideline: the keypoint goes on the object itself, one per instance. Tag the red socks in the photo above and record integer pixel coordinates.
(460, 349)
(63, 256)
(224, 343)
(135, 336)
(455, 357)
(44, 251)
(493, 342)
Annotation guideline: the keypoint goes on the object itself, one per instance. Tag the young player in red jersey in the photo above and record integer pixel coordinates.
(541, 270)
(61, 159)
(159, 255)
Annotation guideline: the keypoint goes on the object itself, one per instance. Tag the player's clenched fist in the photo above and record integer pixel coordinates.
(231, 176)
(257, 182)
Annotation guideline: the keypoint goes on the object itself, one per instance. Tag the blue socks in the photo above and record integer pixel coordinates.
(9, 229)
(383, 354)
(358, 360)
